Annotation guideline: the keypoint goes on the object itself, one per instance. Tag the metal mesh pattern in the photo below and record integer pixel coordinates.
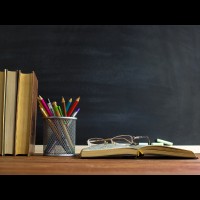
(59, 134)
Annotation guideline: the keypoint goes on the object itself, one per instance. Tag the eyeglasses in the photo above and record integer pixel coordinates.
(120, 139)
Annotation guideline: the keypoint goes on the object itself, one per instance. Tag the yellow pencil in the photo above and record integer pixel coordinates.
(43, 111)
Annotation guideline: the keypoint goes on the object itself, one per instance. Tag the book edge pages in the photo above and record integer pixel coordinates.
(3, 76)
(32, 136)
(17, 111)
(4, 105)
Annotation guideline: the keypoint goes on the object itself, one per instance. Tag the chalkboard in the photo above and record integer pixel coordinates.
(132, 79)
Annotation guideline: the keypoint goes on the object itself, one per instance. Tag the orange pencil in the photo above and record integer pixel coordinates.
(71, 110)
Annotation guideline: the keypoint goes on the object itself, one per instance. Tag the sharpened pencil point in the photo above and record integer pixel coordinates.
(78, 99)
(63, 100)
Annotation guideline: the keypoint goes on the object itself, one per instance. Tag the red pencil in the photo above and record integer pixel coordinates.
(73, 106)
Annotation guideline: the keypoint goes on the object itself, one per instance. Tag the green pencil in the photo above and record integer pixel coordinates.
(59, 108)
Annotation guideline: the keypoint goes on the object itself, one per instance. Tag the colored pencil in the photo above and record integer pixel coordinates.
(64, 107)
(76, 112)
(50, 107)
(73, 106)
(45, 106)
(56, 110)
(68, 105)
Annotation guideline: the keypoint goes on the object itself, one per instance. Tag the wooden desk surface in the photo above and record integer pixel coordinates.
(47, 165)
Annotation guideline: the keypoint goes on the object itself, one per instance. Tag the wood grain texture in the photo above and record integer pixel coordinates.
(46, 165)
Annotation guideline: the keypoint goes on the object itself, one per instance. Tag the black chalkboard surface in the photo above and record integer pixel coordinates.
(132, 79)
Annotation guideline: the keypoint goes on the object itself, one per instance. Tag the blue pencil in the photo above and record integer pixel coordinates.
(68, 105)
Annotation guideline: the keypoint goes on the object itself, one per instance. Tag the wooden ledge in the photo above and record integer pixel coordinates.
(194, 148)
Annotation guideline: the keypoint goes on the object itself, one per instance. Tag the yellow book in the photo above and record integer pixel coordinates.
(10, 111)
(2, 108)
(137, 151)
(26, 114)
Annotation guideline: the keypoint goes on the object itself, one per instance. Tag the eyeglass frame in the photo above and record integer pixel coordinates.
(132, 142)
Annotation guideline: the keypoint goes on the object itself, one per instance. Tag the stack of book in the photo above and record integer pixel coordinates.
(18, 112)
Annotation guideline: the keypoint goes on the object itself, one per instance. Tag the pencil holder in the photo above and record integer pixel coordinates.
(59, 134)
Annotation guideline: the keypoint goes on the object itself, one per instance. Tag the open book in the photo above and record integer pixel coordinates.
(113, 150)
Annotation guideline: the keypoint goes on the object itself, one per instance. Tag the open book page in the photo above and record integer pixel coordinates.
(111, 146)
(103, 150)
(166, 151)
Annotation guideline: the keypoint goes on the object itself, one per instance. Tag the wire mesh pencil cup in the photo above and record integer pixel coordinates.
(59, 135)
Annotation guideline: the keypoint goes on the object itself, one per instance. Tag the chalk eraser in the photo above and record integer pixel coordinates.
(164, 142)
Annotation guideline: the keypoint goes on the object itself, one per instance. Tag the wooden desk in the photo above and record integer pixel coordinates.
(46, 165)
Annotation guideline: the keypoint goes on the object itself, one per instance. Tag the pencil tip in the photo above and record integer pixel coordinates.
(54, 103)
(63, 98)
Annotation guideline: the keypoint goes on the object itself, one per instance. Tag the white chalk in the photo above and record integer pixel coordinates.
(157, 143)
(143, 143)
(165, 142)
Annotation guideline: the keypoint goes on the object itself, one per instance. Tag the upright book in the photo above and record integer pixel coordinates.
(26, 113)
(137, 151)
(10, 111)
(2, 108)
